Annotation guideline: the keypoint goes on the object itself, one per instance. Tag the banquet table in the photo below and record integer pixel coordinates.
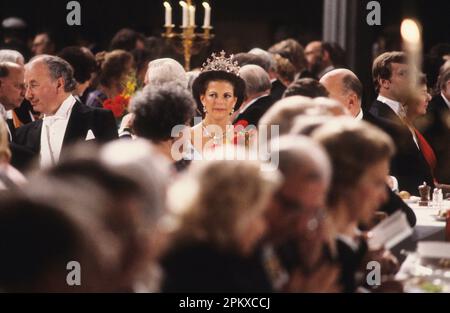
(427, 228)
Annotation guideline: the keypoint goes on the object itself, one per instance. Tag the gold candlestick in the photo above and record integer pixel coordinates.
(188, 42)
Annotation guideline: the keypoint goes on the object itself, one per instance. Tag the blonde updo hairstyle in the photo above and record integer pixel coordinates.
(215, 196)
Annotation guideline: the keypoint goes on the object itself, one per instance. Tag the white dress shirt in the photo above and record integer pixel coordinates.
(360, 115)
(400, 112)
(353, 242)
(446, 100)
(394, 105)
(53, 131)
(4, 116)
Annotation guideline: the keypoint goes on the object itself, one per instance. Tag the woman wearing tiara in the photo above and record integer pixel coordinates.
(218, 91)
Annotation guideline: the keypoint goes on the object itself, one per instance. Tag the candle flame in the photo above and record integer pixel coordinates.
(206, 5)
(183, 4)
(167, 5)
(410, 31)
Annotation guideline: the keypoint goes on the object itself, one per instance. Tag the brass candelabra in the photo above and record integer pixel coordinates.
(188, 42)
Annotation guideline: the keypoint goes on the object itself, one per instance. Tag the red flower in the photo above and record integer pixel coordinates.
(241, 133)
(243, 123)
(118, 105)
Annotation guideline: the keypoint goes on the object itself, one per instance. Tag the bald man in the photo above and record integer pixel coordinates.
(345, 87)
(12, 89)
(12, 92)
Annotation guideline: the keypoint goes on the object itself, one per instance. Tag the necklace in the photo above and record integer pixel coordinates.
(216, 138)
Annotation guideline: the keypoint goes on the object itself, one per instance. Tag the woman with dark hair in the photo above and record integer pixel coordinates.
(115, 68)
(218, 91)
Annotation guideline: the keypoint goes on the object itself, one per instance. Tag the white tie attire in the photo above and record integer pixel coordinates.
(445, 100)
(360, 115)
(53, 131)
(4, 116)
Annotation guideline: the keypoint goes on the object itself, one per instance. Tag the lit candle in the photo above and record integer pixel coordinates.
(168, 13)
(207, 20)
(412, 40)
(185, 14)
(191, 15)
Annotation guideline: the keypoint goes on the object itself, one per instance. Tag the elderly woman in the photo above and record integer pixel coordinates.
(218, 91)
(297, 231)
(360, 156)
(217, 228)
(9, 176)
(165, 70)
(158, 112)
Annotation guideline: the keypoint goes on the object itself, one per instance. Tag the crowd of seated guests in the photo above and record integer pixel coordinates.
(146, 175)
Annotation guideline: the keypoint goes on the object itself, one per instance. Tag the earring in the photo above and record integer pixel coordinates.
(232, 111)
(204, 110)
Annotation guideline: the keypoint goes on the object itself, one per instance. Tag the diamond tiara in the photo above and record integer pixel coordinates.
(221, 63)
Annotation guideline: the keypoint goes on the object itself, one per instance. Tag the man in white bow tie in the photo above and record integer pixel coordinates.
(49, 84)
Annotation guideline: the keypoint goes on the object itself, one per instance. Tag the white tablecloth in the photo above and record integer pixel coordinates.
(427, 228)
(426, 215)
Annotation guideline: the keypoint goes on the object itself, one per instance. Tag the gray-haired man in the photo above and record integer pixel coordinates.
(49, 84)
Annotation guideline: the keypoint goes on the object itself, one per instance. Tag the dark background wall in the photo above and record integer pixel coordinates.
(258, 21)
(239, 25)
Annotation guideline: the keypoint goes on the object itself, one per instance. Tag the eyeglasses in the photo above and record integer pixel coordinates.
(297, 208)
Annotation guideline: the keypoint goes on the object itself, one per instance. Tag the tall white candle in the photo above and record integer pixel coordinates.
(191, 15)
(168, 13)
(207, 20)
(185, 14)
(412, 41)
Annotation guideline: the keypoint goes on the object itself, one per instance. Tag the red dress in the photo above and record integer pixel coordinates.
(427, 152)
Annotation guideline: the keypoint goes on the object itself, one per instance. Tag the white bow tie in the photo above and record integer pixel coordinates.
(50, 120)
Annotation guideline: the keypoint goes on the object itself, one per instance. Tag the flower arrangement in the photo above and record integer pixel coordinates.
(119, 104)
